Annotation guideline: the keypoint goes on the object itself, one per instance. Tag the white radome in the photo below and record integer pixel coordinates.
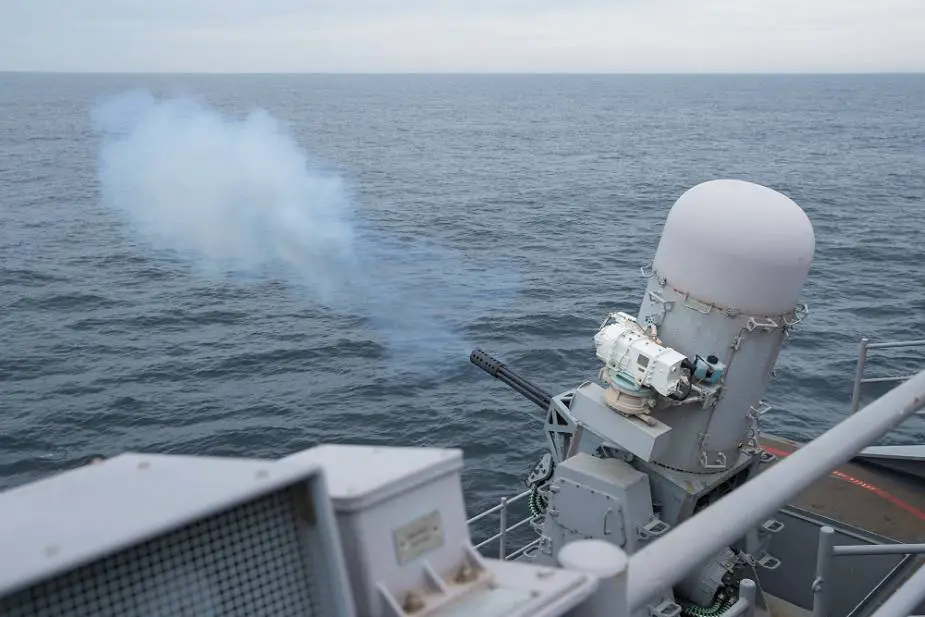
(737, 244)
(726, 280)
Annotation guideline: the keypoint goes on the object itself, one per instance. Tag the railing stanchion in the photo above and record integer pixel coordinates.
(821, 583)
(858, 376)
(503, 528)
(659, 564)
(747, 591)
(609, 564)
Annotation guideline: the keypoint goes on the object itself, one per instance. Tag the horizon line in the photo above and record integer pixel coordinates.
(461, 73)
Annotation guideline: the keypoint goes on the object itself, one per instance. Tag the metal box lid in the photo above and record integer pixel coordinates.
(361, 476)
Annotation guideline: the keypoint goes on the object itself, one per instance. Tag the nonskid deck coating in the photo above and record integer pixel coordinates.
(862, 496)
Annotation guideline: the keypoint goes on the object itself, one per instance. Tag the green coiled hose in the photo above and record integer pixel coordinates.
(716, 608)
(538, 503)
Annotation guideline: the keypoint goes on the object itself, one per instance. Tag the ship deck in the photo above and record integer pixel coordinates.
(859, 495)
(874, 499)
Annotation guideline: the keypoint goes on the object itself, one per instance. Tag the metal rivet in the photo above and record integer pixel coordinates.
(143, 465)
(413, 602)
(263, 473)
(545, 573)
(51, 550)
(466, 574)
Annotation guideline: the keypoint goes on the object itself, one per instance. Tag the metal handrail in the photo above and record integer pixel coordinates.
(523, 549)
(879, 549)
(503, 528)
(660, 565)
(859, 379)
(826, 551)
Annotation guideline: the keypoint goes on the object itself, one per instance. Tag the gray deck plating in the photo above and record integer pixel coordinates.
(885, 503)
(909, 460)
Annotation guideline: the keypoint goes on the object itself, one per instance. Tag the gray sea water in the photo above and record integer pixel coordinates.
(560, 184)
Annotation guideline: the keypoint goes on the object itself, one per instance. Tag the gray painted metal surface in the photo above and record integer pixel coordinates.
(722, 290)
(597, 498)
(74, 517)
(725, 281)
(821, 582)
(850, 581)
(880, 549)
(75, 521)
(663, 563)
(631, 434)
(825, 585)
(908, 453)
(909, 460)
(679, 493)
(906, 598)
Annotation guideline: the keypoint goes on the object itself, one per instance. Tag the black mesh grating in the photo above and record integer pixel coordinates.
(252, 560)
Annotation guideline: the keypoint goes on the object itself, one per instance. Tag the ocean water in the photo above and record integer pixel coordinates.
(546, 194)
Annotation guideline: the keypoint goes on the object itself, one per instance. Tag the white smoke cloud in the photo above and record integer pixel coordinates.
(241, 196)
(233, 194)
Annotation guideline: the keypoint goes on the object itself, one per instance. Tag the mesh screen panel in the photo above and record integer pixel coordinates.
(252, 560)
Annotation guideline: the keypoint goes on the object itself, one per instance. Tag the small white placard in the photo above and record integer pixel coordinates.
(420, 536)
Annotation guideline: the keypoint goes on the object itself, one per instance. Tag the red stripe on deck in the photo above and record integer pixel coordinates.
(879, 492)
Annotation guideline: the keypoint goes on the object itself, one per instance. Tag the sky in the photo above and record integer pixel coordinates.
(470, 36)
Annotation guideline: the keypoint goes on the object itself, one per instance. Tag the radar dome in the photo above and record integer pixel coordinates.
(735, 244)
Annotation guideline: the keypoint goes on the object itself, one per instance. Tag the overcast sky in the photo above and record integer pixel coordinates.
(463, 35)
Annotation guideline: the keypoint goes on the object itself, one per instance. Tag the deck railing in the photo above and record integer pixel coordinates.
(859, 378)
(903, 600)
(503, 528)
(662, 564)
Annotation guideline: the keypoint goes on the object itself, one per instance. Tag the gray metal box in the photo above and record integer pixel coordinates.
(396, 508)
(606, 499)
(150, 535)
(633, 435)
